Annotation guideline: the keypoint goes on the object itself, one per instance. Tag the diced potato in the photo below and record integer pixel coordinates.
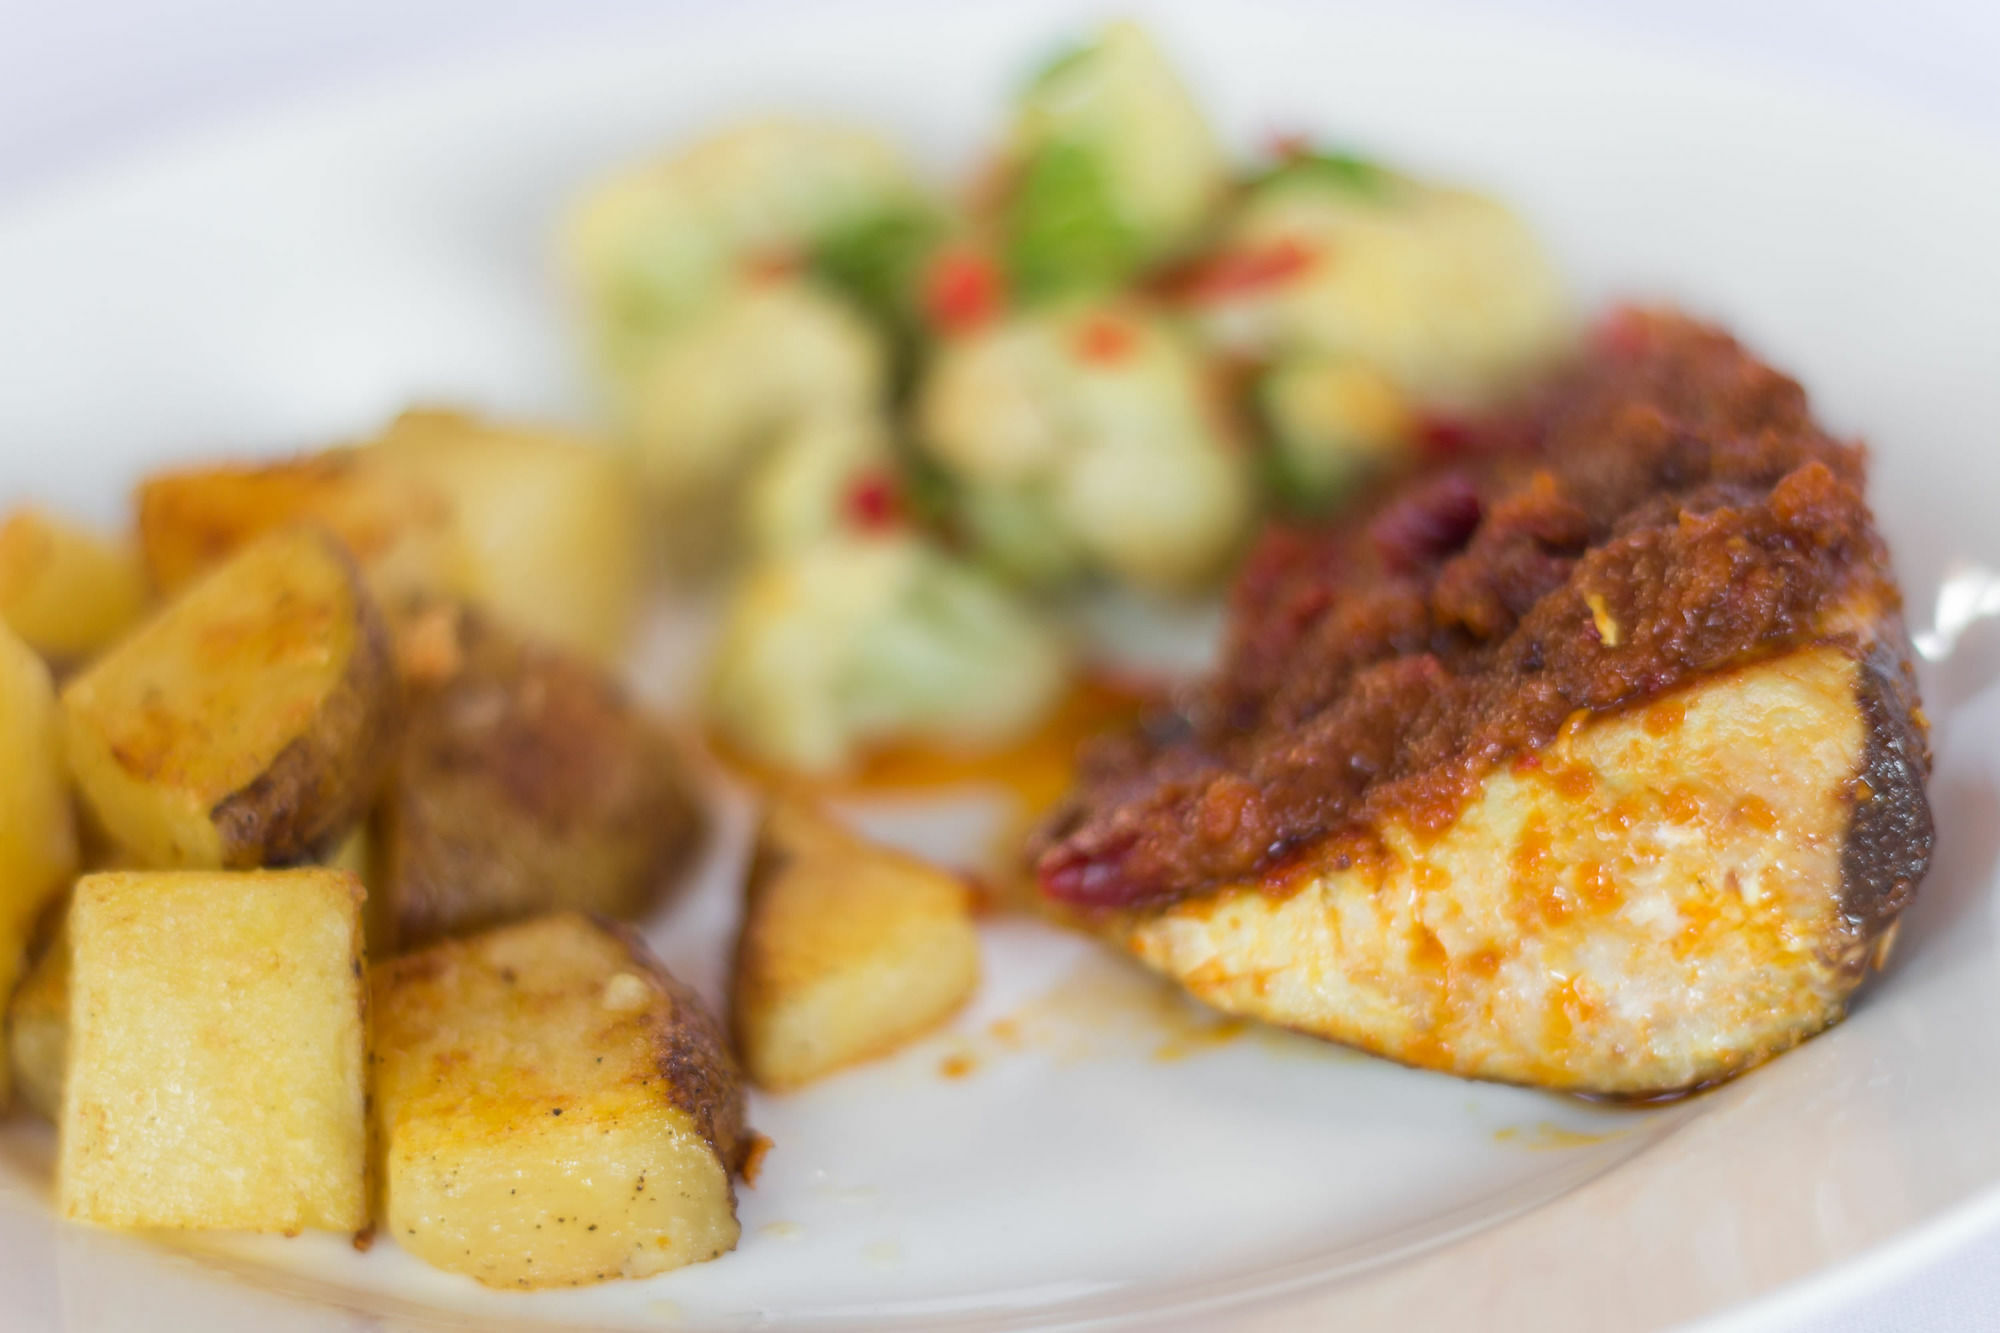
(400, 530)
(38, 1016)
(249, 722)
(525, 781)
(65, 590)
(38, 848)
(848, 949)
(217, 1052)
(549, 524)
(552, 1108)
(38, 1027)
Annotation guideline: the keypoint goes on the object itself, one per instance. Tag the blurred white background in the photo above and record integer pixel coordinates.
(83, 82)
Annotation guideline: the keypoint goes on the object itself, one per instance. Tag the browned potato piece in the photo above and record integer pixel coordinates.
(848, 949)
(38, 1027)
(524, 782)
(551, 1108)
(247, 723)
(539, 527)
(65, 590)
(37, 831)
(217, 1052)
(549, 524)
(401, 531)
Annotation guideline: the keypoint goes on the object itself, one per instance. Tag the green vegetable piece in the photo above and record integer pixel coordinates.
(1064, 233)
(877, 260)
(1342, 171)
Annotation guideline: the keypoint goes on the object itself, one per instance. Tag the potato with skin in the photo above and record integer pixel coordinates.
(38, 847)
(552, 1108)
(217, 1052)
(399, 528)
(848, 949)
(525, 781)
(67, 591)
(248, 722)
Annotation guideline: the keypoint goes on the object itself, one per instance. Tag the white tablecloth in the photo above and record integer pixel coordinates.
(85, 80)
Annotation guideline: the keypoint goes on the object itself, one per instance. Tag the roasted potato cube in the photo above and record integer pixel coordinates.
(524, 782)
(402, 531)
(550, 533)
(65, 590)
(37, 831)
(848, 949)
(217, 1052)
(552, 1108)
(249, 722)
(38, 1027)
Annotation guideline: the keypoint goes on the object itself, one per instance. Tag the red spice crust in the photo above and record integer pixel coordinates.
(1666, 510)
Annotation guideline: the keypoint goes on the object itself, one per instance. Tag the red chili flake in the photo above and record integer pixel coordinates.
(1442, 435)
(1104, 341)
(1624, 333)
(962, 290)
(874, 501)
(772, 265)
(1289, 145)
(1445, 436)
(1240, 272)
(1428, 524)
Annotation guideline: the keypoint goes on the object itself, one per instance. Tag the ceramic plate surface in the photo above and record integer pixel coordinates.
(1105, 1153)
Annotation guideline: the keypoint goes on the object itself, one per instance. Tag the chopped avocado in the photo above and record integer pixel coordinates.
(1064, 232)
(1343, 171)
(877, 259)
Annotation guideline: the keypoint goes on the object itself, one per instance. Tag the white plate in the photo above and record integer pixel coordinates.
(300, 279)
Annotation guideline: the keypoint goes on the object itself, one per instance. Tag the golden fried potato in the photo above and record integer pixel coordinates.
(249, 722)
(402, 531)
(217, 1053)
(848, 949)
(550, 532)
(524, 782)
(38, 849)
(38, 1027)
(551, 1108)
(65, 590)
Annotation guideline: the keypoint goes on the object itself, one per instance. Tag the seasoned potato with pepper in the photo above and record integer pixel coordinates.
(552, 1108)
(217, 1052)
(400, 530)
(525, 781)
(38, 850)
(703, 400)
(1444, 292)
(1086, 438)
(64, 589)
(848, 949)
(1111, 168)
(248, 722)
(827, 477)
(548, 524)
(659, 244)
(865, 640)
